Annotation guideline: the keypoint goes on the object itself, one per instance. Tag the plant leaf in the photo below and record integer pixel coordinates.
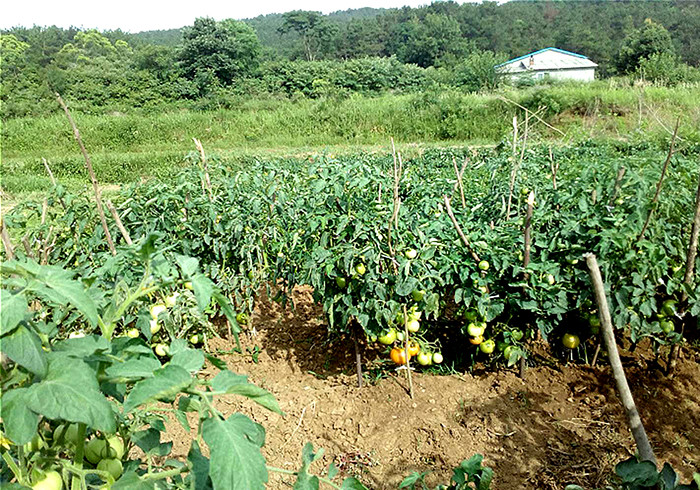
(228, 382)
(13, 308)
(236, 460)
(165, 383)
(70, 392)
(135, 368)
(19, 422)
(24, 347)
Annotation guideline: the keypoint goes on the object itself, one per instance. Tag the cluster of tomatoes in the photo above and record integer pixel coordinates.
(425, 353)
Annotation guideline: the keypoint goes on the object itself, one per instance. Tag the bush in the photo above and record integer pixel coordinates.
(666, 69)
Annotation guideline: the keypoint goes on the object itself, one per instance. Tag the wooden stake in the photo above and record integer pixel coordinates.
(408, 358)
(646, 453)
(358, 357)
(118, 220)
(205, 168)
(461, 234)
(9, 249)
(93, 179)
(661, 181)
(458, 184)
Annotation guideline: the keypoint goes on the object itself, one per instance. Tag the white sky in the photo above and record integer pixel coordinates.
(143, 15)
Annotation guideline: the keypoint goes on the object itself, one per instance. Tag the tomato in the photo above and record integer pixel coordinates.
(188, 285)
(570, 341)
(171, 300)
(667, 326)
(425, 358)
(550, 279)
(195, 339)
(619, 201)
(133, 333)
(437, 358)
(484, 265)
(413, 349)
(669, 307)
(67, 434)
(476, 330)
(388, 337)
(516, 335)
(341, 282)
(487, 346)
(98, 449)
(51, 480)
(400, 335)
(413, 326)
(157, 309)
(112, 466)
(507, 352)
(414, 313)
(411, 254)
(471, 315)
(161, 350)
(155, 326)
(476, 340)
(524, 191)
(417, 295)
(251, 275)
(372, 338)
(242, 319)
(360, 269)
(483, 289)
(398, 356)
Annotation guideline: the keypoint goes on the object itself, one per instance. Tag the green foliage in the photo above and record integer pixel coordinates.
(478, 72)
(218, 51)
(666, 69)
(638, 475)
(315, 32)
(650, 39)
(468, 472)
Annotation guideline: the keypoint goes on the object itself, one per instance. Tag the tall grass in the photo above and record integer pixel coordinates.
(132, 145)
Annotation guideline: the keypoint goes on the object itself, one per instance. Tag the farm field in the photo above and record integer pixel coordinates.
(284, 266)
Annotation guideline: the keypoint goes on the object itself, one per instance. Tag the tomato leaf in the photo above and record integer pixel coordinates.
(228, 382)
(138, 368)
(83, 346)
(188, 265)
(70, 392)
(200, 468)
(203, 290)
(20, 423)
(165, 383)
(351, 483)
(236, 460)
(132, 481)
(306, 481)
(24, 347)
(13, 308)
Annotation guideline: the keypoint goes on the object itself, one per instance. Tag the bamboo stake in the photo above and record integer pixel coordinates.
(465, 241)
(407, 366)
(9, 249)
(118, 220)
(93, 179)
(459, 182)
(516, 166)
(688, 277)
(358, 357)
(646, 453)
(618, 183)
(528, 111)
(661, 181)
(203, 161)
(554, 168)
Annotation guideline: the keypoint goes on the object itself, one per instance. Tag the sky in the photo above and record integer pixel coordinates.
(143, 15)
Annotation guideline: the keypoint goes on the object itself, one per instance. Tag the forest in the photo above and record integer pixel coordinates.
(367, 51)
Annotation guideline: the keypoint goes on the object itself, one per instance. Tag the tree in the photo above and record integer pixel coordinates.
(315, 31)
(228, 49)
(651, 38)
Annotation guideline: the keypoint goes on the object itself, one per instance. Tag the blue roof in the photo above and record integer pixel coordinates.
(563, 51)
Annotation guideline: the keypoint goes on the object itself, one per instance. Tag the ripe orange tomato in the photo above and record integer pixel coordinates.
(413, 348)
(398, 356)
(476, 340)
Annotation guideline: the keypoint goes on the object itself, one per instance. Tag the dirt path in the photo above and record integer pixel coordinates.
(555, 427)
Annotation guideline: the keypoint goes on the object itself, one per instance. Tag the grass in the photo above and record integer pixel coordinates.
(127, 147)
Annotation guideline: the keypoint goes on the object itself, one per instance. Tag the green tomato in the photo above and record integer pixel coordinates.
(242, 319)
(471, 315)
(67, 434)
(388, 337)
(360, 269)
(516, 335)
(112, 466)
(400, 336)
(667, 326)
(487, 346)
(425, 358)
(413, 326)
(161, 350)
(372, 338)
(195, 339)
(669, 307)
(550, 279)
(417, 295)
(133, 333)
(98, 449)
(411, 254)
(437, 358)
(570, 341)
(251, 275)
(476, 330)
(484, 265)
(51, 480)
(341, 282)
(507, 352)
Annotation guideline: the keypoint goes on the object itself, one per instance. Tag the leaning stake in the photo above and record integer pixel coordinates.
(646, 453)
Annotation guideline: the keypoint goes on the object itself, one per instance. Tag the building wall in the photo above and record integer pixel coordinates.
(580, 74)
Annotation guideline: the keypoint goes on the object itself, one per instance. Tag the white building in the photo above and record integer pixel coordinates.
(550, 62)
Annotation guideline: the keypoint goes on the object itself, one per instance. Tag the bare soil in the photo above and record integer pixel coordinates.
(561, 424)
